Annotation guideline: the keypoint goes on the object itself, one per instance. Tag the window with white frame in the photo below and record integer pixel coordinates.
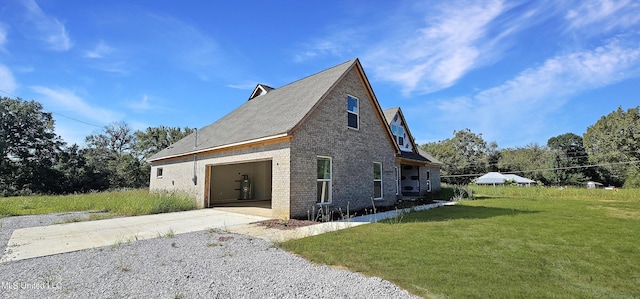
(353, 112)
(324, 180)
(377, 180)
(159, 172)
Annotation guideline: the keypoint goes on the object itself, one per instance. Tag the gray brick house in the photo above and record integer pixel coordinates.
(321, 140)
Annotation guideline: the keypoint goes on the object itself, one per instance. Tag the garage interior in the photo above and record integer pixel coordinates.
(241, 185)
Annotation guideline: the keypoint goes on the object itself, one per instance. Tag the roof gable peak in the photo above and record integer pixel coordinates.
(260, 90)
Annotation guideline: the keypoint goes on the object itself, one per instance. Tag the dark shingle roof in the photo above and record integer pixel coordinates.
(390, 113)
(428, 156)
(270, 114)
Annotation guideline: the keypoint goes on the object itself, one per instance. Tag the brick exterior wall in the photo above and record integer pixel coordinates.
(177, 174)
(435, 178)
(294, 167)
(325, 133)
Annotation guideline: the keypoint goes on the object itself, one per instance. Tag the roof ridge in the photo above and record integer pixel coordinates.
(317, 73)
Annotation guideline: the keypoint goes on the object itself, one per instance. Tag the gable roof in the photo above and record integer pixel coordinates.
(262, 117)
(418, 154)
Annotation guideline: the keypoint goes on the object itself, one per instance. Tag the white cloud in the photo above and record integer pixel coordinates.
(339, 43)
(448, 44)
(524, 103)
(606, 14)
(49, 29)
(66, 100)
(146, 103)
(3, 35)
(7, 82)
(100, 51)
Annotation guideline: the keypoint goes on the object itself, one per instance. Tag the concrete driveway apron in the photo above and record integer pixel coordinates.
(60, 238)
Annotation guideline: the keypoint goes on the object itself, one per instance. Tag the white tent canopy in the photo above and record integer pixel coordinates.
(496, 178)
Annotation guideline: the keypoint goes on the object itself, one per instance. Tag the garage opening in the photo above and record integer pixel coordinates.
(241, 185)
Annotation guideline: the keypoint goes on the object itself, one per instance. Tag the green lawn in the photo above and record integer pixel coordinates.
(115, 203)
(513, 243)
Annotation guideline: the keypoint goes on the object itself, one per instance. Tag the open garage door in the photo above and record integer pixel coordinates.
(247, 184)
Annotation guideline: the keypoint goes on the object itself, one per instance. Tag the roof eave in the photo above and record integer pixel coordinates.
(221, 147)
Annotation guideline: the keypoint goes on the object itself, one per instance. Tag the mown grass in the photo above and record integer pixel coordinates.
(115, 203)
(514, 243)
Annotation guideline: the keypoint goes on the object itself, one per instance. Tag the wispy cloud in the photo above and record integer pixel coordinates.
(340, 43)
(67, 100)
(525, 103)
(7, 82)
(606, 14)
(146, 103)
(448, 44)
(100, 51)
(189, 48)
(3, 36)
(246, 85)
(47, 28)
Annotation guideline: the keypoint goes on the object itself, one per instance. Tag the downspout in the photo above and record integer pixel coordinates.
(195, 159)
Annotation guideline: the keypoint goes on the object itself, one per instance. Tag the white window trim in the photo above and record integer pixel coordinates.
(159, 172)
(356, 113)
(330, 181)
(378, 180)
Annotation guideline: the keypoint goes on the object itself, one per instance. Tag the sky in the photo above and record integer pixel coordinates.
(518, 72)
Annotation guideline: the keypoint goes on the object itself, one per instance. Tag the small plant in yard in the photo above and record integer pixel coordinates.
(123, 264)
(170, 233)
(51, 276)
(117, 243)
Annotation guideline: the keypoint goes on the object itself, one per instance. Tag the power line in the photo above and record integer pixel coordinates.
(60, 114)
(543, 169)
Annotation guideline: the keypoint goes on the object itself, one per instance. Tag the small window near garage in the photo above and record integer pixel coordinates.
(353, 112)
(159, 172)
(377, 180)
(324, 180)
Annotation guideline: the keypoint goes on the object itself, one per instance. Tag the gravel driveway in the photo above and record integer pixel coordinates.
(205, 264)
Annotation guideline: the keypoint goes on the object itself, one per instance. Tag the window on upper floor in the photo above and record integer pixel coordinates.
(353, 112)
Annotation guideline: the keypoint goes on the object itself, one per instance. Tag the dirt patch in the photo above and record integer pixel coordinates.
(284, 224)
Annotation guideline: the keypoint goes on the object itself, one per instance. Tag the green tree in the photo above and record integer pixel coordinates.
(615, 139)
(465, 153)
(532, 161)
(155, 139)
(112, 154)
(569, 159)
(28, 146)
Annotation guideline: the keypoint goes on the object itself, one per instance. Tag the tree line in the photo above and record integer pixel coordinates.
(37, 161)
(609, 153)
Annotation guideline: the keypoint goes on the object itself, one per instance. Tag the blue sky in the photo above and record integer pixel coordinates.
(519, 72)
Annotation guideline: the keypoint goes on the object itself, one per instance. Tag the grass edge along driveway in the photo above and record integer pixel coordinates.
(543, 243)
